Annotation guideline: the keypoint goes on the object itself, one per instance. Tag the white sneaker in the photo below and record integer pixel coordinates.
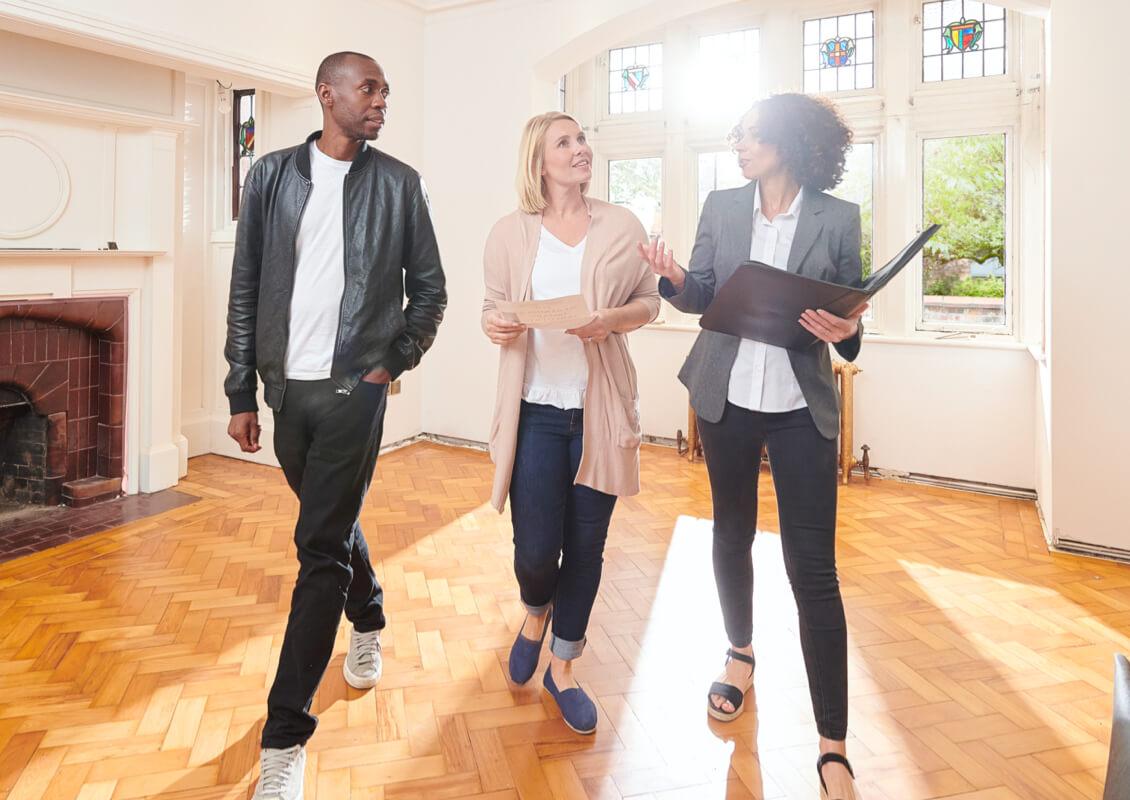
(363, 664)
(281, 773)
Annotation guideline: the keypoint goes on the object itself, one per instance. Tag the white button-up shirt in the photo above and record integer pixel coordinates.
(762, 378)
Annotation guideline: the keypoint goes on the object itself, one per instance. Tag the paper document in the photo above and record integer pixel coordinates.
(560, 314)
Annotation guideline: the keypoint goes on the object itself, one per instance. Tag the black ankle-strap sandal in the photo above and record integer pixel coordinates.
(831, 758)
(728, 691)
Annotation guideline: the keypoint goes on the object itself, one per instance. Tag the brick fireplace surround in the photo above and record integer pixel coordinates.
(62, 400)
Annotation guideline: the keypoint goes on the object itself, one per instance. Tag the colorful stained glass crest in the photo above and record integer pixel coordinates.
(242, 141)
(963, 35)
(838, 52)
(963, 39)
(247, 137)
(635, 77)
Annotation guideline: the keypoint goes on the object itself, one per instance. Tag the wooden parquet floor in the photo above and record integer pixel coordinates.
(136, 663)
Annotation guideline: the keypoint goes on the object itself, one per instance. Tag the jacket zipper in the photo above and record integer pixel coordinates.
(345, 283)
(293, 274)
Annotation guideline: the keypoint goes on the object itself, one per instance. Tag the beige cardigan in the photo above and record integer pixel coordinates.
(612, 275)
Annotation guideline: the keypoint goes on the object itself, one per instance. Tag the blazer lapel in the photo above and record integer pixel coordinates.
(740, 227)
(807, 230)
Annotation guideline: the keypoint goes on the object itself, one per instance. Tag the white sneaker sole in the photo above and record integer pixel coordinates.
(356, 681)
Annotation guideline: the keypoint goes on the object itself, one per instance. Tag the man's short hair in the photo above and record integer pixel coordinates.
(332, 66)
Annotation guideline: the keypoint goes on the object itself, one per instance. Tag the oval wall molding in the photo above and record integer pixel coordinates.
(22, 145)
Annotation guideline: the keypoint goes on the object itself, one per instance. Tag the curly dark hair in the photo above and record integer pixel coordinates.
(810, 135)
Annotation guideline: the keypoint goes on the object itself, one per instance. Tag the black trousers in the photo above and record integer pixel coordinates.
(327, 444)
(804, 475)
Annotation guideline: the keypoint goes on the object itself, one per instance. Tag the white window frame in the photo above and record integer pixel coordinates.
(922, 135)
(896, 117)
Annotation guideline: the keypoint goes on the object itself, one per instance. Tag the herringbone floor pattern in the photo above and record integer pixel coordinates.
(136, 663)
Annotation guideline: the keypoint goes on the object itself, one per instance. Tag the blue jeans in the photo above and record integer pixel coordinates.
(559, 527)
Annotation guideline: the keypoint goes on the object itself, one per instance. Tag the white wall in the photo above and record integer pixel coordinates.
(932, 408)
(1090, 278)
(80, 75)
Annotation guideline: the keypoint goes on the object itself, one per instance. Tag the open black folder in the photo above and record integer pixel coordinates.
(764, 303)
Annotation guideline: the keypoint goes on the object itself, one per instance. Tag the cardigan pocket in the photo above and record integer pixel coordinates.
(628, 433)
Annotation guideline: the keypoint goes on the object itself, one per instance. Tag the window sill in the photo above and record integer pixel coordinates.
(975, 341)
(971, 341)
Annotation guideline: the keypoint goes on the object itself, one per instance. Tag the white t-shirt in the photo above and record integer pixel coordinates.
(557, 372)
(762, 377)
(319, 275)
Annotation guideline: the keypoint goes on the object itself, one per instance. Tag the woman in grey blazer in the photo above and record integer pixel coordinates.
(746, 393)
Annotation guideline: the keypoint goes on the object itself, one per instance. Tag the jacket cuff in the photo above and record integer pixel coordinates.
(394, 362)
(242, 402)
(667, 289)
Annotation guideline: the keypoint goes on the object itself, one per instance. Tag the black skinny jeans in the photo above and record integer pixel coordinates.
(327, 445)
(804, 475)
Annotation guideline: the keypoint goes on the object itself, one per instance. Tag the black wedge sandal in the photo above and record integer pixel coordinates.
(730, 692)
(829, 758)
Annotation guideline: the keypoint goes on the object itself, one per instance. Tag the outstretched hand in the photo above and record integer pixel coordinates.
(661, 259)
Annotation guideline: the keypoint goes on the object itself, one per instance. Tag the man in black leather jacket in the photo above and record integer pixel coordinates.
(332, 234)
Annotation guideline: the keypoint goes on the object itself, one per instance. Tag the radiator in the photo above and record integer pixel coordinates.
(691, 446)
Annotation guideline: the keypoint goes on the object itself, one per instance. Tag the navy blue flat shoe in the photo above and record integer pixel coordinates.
(577, 709)
(525, 652)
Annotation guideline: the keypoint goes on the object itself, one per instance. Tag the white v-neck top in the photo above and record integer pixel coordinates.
(557, 372)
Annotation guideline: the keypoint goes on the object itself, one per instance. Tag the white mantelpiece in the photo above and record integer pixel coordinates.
(122, 184)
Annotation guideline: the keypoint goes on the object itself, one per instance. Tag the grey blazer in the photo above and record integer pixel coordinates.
(826, 246)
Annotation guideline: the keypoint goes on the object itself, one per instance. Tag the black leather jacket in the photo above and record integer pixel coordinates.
(390, 249)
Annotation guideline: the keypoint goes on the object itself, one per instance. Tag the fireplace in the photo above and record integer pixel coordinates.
(62, 400)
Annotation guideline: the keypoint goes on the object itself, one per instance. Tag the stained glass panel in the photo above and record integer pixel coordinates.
(243, 142)
(635, 79)
(839, 53)
(962, 39)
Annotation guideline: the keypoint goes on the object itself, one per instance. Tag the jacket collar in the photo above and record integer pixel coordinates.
(302, 159)
(808, 228)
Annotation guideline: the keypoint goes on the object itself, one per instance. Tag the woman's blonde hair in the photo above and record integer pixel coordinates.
(531, 159)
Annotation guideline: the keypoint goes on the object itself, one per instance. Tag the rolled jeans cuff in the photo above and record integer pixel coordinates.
(536, 611)
(566, 650)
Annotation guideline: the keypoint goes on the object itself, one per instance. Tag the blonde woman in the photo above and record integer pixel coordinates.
(565, 436)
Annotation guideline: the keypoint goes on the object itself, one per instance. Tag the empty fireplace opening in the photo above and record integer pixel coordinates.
(23, 452)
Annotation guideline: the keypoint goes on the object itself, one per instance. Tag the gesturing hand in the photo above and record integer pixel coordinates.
(661, 259)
